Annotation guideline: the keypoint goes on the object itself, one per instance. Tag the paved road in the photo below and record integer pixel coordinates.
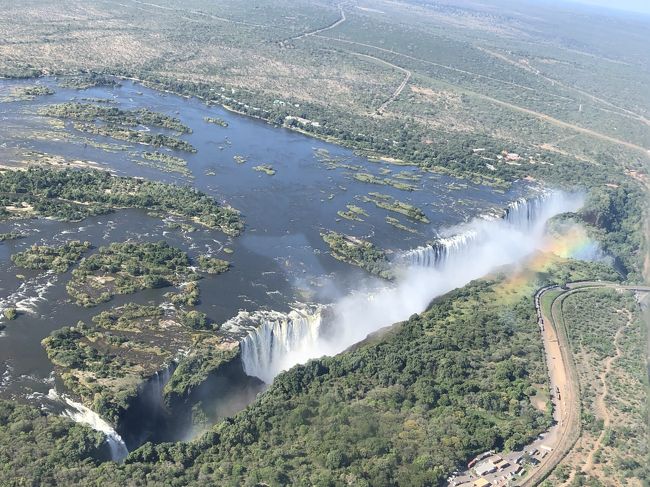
(564, 387)
(563, 373)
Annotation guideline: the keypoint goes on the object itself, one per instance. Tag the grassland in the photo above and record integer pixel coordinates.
(559, 93)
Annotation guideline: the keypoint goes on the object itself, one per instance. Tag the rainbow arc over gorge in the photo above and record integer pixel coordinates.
(571, 243)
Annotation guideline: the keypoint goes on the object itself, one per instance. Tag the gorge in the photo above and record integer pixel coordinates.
(278, 341)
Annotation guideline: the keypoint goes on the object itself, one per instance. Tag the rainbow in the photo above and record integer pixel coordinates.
(572, 243)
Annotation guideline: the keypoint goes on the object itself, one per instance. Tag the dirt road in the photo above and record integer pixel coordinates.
(322, 29)
(400, 88)
(533, 113)
(565, 394)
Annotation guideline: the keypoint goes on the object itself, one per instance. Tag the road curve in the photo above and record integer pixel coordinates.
(554, 334)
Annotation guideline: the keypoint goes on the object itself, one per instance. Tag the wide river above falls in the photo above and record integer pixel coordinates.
(280, 258)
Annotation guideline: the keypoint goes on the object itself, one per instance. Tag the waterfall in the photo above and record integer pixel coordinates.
(272, 342)
(441, 252)
(523, 214)
(156, 385)
(81, 414)
(269, 337)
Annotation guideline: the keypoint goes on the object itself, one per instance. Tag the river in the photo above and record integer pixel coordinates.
(280, 258)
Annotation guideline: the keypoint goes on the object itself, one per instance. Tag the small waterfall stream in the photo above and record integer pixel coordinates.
(81, 414)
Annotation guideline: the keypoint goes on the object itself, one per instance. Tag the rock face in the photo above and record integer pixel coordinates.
(125, 365)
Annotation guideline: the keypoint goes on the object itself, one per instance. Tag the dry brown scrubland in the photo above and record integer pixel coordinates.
(473, 70)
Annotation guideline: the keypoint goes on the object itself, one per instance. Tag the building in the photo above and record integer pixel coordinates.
(482, 483)
(485, 468)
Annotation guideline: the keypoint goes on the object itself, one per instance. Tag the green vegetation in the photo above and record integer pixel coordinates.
(566, 107)
(105, 363)
(110, 121)
(389, 203)
(408, 176)
(10, 236)
(332, 162)
(73, 195)
(195, 320)
(85, 81)
(195, 370)
(162, 162)
(212, 265)
(136, 136)
(58, 259)
(353, 213)
(405, 407)
(113, 116)
(608, 338)
(185, 227)
(359, 252)
(10, 313)
(616, 217)
(369, 178)
(124, 268)
(215, 121)
(410, 405)
(265, 168)
(189, 295)
(40, 445)
(397, 224)
(28, 93)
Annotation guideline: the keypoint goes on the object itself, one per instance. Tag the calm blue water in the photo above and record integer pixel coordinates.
(279, 259)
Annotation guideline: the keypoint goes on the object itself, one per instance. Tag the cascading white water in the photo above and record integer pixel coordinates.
(270, 336)
(156, 385)
(276, 341)
(81, 414)
(524, 214)
(440, 253)
(30, 293)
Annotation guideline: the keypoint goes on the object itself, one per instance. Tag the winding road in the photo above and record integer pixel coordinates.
(562, 372)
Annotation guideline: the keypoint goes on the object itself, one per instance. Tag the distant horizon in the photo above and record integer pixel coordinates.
(635, 6)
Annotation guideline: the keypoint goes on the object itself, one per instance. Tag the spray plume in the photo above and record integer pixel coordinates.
(467, 252)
